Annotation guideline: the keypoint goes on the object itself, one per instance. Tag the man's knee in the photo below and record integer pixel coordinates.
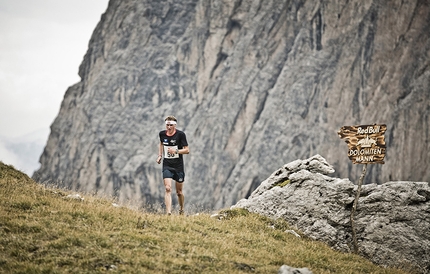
(168, 189)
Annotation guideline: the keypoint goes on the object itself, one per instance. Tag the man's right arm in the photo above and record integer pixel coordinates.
(160, 152)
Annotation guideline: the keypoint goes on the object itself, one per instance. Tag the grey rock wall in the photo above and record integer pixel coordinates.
(392, 220)
(253, 83)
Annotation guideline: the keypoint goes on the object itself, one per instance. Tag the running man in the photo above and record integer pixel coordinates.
(173, 144)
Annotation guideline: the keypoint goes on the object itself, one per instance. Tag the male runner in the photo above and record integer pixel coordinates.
(173, 144)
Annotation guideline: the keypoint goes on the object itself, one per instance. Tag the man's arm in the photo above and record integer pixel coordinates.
(184, 150)
(160, 153)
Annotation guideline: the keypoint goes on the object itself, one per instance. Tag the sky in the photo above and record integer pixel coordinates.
(42, 44)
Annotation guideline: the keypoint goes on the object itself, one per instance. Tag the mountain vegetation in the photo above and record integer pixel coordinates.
(51, 230)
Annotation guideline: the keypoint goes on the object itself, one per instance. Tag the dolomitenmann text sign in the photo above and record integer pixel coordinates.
(366, 144)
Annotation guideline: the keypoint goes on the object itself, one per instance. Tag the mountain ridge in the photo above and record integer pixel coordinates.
(253, 85)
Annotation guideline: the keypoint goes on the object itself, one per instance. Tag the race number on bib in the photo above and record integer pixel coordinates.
(168, 155)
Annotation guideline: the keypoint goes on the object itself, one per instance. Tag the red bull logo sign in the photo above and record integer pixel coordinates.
(366, 143)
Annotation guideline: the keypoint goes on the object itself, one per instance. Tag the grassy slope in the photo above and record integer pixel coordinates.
(43, 232)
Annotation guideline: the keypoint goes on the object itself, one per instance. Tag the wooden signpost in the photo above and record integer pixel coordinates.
(366, 145)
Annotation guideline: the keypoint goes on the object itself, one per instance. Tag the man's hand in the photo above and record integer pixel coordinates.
(159, 159)
(172, 151)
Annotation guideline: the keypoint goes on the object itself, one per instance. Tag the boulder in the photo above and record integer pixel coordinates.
(392, 220)
(285, 269)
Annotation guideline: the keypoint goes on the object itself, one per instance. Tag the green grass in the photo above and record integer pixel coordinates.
(43, 232)
(282, 184)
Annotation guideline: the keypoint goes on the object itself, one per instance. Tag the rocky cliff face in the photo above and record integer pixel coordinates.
(253, 83)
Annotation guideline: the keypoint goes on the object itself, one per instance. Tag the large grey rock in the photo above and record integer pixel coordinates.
(392, 220)
(285, 269)
(254, 84)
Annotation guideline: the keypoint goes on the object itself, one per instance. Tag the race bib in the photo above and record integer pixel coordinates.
(168, 155)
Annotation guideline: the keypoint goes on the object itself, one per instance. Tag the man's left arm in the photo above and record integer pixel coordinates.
(184, 150)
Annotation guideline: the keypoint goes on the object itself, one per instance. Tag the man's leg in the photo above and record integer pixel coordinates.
(180, 197)
(168, 195)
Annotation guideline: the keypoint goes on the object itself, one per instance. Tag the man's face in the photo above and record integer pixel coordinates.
(170, 125)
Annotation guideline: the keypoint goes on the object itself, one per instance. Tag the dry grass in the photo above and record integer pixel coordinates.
(43, 232)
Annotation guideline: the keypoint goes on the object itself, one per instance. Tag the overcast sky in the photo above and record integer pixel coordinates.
(42, 43)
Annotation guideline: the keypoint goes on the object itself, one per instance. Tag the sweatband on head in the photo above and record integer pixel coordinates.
(170, 122)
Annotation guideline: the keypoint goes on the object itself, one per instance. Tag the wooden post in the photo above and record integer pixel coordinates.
(354, 207)
(366, 145)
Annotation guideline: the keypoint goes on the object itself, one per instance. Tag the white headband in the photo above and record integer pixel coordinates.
(168, 122)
